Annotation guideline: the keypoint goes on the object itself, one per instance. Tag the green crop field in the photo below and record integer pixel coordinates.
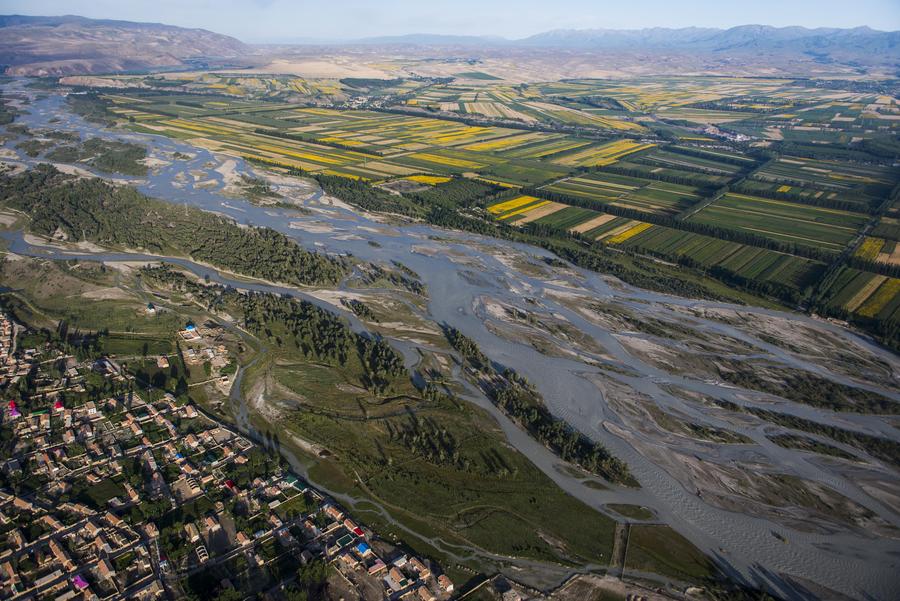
(748, 262)
(620, 190)
(791, 223)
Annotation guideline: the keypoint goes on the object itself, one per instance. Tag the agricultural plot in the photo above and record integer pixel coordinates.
(567, 218)
(879, 250)
(864, 294)
(557, 113)
(602, 154)
(888, 227)
(706, 180)
(528, 209)
(631, 192)
(791, 223)
(522, 173)
(703, 116)
(515, 206)
(748, 262)
(835, 180)
(546, 146)
(684, 162)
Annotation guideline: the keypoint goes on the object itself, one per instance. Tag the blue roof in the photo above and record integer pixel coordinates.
(362, 547)
(179, 456)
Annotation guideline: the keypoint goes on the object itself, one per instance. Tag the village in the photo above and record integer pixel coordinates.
(142, 495)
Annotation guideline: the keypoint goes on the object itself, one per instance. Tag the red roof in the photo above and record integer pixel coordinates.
(58, 405)
(229, 483)
(358, 531)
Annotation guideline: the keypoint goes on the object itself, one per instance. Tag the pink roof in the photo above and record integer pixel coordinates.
(79, 582)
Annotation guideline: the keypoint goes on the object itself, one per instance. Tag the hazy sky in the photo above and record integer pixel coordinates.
(282, 20)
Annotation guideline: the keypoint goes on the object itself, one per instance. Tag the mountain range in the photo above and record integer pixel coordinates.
(688, 38)
(70, 45)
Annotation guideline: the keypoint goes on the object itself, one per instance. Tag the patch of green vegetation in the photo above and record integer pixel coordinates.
(34, 147)
(523, 404)
(878, 447)
(635, 512)
(122, 217)
(109, 156)
(806, 388)
(661, 550)
(805, 443)
(477, 75)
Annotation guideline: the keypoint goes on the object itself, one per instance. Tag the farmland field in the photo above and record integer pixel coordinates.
(619, 190)
(597, 150)
(865, 294)
(791, 223)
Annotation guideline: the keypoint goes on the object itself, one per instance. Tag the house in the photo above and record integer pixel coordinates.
(377, 567)
(202, 554)
(334, 513)
(61, 556)
(348, 560)
(398, 577)
(105, 570)
(425, 594)
(193, 535)
(211, 523)
(419, 567)
(162, 362)
(445, 583)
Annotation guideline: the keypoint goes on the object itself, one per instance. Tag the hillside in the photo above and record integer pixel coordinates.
(69, 45)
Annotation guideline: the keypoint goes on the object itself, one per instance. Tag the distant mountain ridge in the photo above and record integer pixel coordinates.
(71, 44)
(66, 45)
(709, 39)
(853, 47)
(687, 38)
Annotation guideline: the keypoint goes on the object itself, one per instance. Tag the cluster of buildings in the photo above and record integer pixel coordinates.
(13, 366)
(127, 497)
(369, 564)
(202, 345)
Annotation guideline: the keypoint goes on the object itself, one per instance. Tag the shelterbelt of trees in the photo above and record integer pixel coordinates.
(91, 209)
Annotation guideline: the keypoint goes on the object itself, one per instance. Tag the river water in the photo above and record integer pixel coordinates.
(462, 269)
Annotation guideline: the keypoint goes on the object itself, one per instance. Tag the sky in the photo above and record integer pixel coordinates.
(260, 21)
